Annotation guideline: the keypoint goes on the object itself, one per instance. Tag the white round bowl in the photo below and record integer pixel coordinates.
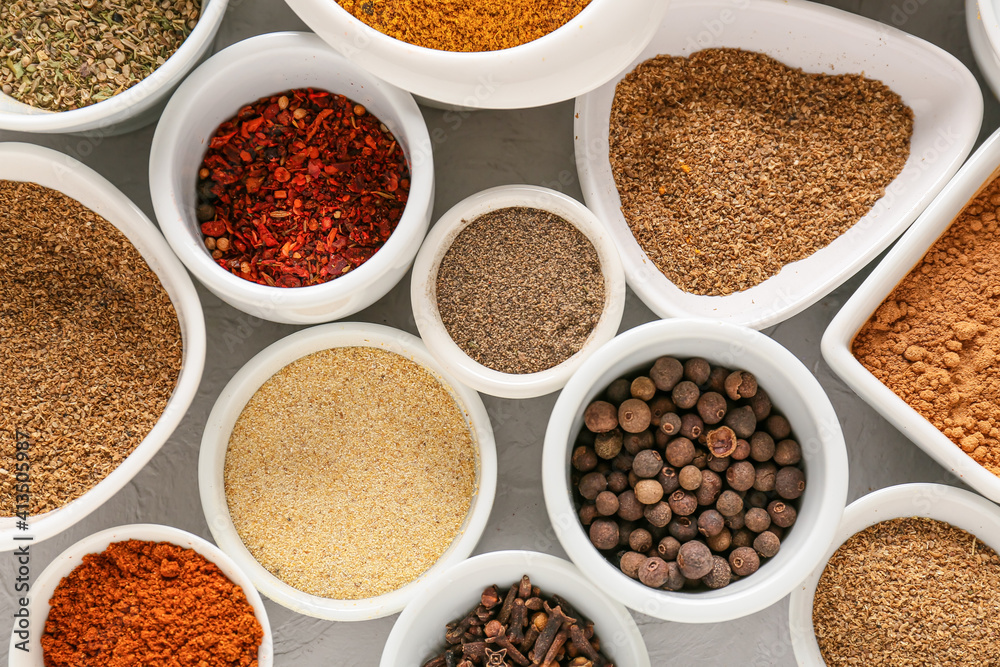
(794, 392)
(982, 21)
(44, 585)
(962, 509)
(229, 406)
(980, 169)
(947, 106)
(419, 631)
(240, 75)
(34, 164)
(423, 294)
(567, 62)
(128, 110)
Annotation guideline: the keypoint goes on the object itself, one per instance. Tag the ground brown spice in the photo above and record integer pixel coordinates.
(465, 25)
(909, 592)
(731, 165)
(90, 345)
(520, 290)
(934, 340)
(349, 472)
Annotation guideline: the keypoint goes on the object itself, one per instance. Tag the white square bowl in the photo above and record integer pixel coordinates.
(981, 168)
(947, 106)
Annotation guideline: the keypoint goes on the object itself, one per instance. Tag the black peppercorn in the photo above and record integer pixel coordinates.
(680, 452)
(694, 558)
(666, 373)
(685, 395)
(744, 561)
(600, 416)
(647, 463)
(604, 534)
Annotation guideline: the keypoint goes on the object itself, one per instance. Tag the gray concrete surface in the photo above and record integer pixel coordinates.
(487, 148)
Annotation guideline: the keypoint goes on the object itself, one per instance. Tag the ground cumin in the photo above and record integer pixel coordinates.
(909, 592)
(731, 165)
(465, 25)
(934, 340)
(149, 603)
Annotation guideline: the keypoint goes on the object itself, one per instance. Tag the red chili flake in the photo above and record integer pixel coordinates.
(304, 194)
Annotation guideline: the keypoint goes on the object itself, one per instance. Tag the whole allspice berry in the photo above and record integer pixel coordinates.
(790, 482)
(617, 481)
(643, 388)
(584, 459)
(607, 503)
(689, 477)
(744, 561)
(778, 427)
(761, 404)
(658, 514)
(670, 423)
(667, 477)
(757, 519)
(741, 476)
(720, 575)
(721, 441)
(711, 523)
(685, 395)
(619, 391)
(636, 442)
(782, 515)
(629, 507)
(754, 498)
(766, 477)
(647, 463)
(711, 487)
(675, 580)
(742, 421)
(691, 426)
(743, 537)
(721, 541)
(607, 445)
(600, 416)
(634, 415)
(659, 406)
(648, 491)
(683, 503)
(682, 528)
(729, 503)
(592, 484)
(719, 464)
(740, 384)
(604, 534)
(680, 452)
(666, 373)
(736, 521)
(761, 446)
(654, 572)
(766, 544)
(742, 450)
(697, 370)
(717, 379)
(668, 548)
(787, 453)
(694, 558)
(711, 407)
(630, 563)
(641, 540)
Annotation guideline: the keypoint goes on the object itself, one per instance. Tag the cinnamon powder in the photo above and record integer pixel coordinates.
(934, 340)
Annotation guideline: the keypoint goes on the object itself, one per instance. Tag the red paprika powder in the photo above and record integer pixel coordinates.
(149, 603)
(300, 188)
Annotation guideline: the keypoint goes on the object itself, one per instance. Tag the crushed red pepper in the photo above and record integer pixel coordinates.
(299, 188)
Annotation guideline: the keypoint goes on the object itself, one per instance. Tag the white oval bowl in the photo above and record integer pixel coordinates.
(419, 631)
(34, 164)
(794, 392)
(215, 92)
(960, 508)
(131, 109)
(242, 387)
(567, 62)
(982, 20)
(981, 168)
(45, 584)
(423, 292)
(946, 102)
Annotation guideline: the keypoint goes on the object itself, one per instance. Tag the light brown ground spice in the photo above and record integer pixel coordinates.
(349, 472)
(731, 165)
(910, 592)
(934, 340)
(520, 290)
(90, 345)
(465, 25)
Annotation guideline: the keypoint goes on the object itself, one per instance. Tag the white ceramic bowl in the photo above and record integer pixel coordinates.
(419, 631)
(25, 162)
(567, 62)
(44, 585)
(946, 102)
(229, 406)
(981, 168)
(424, 280)
(240, 75)
(131, 109)
(983, 23)
(961, 509)
(794, 392)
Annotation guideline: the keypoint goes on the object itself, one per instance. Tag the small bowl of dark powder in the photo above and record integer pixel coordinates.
(515, 287)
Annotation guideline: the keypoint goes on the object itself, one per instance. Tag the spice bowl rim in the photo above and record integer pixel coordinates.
(422, 623)
(133, 106)
(31, 163)
(946, 127)
(43, 586)
(958, 507)
(788, 382)
(254, 64)
(983, 25)
(975, 174)
(244, 384)
(439, 241)
(576, 57)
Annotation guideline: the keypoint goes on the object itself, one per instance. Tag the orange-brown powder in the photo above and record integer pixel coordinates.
(934, 340)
